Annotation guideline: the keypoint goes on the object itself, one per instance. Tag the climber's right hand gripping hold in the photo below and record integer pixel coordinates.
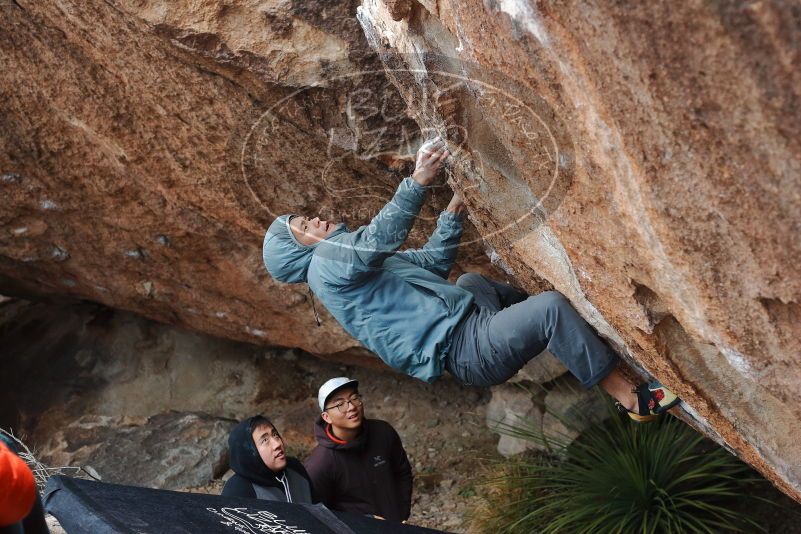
(429, 160)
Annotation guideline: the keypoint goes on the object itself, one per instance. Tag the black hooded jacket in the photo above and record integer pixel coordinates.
(255, 480)
(369, 475)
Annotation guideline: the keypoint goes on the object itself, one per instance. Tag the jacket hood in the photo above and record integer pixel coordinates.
(286, 259)
(326, 438)
(244, 457)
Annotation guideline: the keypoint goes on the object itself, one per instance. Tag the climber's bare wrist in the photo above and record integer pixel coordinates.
(456, 205)
(422, 178)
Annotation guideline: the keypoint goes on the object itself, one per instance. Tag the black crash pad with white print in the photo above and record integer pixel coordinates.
(100, 508)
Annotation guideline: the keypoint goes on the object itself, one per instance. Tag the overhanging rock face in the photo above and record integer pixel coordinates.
(644, 159)
(141, 161)
(661, 146)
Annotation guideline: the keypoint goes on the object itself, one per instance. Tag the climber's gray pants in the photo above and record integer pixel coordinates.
(507, 328)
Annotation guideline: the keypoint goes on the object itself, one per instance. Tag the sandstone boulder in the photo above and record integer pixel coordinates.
(644, 159)
(170, 451)
(511, 407)
(146, 146)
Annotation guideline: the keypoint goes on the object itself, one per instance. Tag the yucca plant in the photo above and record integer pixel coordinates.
(620, 477)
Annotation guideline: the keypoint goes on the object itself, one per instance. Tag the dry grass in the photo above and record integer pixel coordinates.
(42, 472)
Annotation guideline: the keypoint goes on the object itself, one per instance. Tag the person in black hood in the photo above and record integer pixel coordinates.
(263, 470)
(359, 464)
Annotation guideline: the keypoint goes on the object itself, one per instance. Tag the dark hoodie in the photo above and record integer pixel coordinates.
(255, 480)
(369, 475)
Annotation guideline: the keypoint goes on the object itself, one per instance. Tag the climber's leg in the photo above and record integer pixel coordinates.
(489, 293)
(467, 357)
(620, 388)
(521, 331)
(508, 329)
(517, 333)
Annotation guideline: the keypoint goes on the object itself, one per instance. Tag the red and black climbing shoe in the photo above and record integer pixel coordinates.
(653, 399)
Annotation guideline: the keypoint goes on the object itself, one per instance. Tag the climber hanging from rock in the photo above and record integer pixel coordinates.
(400, 304)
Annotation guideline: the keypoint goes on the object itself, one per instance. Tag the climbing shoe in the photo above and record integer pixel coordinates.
(653, 399)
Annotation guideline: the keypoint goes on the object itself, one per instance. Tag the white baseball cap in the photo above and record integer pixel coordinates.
(331, 386)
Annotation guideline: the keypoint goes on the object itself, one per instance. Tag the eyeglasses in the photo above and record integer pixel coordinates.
(342, 406)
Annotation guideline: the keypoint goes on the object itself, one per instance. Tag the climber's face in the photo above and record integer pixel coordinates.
(310, 231)
(270, 446)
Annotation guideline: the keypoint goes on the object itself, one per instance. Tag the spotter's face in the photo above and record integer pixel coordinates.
(271, 447)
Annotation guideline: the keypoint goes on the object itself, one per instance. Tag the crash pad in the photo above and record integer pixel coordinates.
(99, 508)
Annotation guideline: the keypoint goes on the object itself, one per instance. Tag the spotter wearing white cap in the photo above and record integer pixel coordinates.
(331, 386)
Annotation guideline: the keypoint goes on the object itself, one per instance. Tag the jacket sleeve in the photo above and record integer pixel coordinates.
(238, 486)
(370, 245)
(403, 474)
(321, 476)
(440, 252)
(18, 494)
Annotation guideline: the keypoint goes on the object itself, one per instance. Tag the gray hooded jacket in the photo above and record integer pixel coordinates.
(400, 305)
